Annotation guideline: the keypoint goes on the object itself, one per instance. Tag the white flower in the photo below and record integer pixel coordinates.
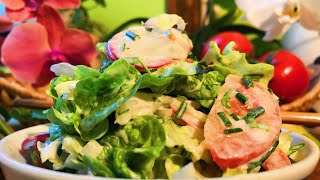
(277, 16)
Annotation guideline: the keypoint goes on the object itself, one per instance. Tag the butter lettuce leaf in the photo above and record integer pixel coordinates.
(95, 96)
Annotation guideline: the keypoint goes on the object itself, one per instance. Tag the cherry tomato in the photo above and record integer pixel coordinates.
(223, 38)
(291, 77)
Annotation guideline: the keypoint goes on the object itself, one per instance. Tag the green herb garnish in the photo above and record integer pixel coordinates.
(225, 99)
(241, 97)
(253, 114)
(255, 164)
(182, 109)
(235, 117)
(295, 148)
(247, 81)
(233, 130)
(224, 119)
(132, 35)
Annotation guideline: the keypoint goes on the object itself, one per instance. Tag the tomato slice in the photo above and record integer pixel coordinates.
(276, 160)
(232, 150)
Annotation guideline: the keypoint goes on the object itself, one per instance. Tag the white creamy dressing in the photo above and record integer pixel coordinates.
(65, 89)
(151, 47)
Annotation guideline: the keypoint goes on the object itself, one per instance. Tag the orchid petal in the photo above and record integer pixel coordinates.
(13, 4)
(25, 64)
(273, 16)
(310, 14)
(63, 4)
(5, 24)
(51, 19)
(78, 47)
(275, 29)
(21, 14)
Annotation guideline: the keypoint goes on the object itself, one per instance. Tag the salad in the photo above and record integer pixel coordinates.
(154, 111)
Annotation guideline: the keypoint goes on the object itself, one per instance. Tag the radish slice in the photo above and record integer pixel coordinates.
(248, 142)
(153, 48)
(276, 160)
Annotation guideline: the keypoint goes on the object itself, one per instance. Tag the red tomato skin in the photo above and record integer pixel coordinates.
(291, 77)
(223, 38)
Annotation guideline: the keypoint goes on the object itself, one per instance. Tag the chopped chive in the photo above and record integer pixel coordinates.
(253, 114)
(124, 111)
(233, 130)
(124, 47)
(182, 109)
(241, 97)
(295, 148)
(224, 119)
(234, 117)
(247, 81)
(132, 35)
(225, 99)
(149, 29)
(255, 164)
(260, 126)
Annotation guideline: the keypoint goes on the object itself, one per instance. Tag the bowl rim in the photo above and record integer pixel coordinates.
(312, 157)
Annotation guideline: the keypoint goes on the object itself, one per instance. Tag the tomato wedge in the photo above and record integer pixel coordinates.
(229, 150)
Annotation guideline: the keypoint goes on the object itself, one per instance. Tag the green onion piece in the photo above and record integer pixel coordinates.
(225, 99)
(224, 119)
(233, 130)
(246, 81)
(295, 148)
(241, 97)
(270, 91)
(253, 114)
(255, 164)
(132, 35)
(235, 117)
(182, 109)
(260, 126)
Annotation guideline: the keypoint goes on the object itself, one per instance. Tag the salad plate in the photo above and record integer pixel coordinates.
(14, 165)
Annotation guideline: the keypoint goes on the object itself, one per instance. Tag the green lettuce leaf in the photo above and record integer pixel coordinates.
(95, 96)
(234, 62)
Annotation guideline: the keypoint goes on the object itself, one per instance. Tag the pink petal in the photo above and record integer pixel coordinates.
(24, 51)
(78, 47)
(13, 4)
(2, 38)
(21, 14)
(5, 24)
(64, 4)
(51, 19)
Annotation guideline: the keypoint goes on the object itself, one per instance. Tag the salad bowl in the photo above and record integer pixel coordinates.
(14, 165)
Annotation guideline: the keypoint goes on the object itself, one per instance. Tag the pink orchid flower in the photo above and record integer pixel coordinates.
(31, 48)
(5, 26)
(21, 10)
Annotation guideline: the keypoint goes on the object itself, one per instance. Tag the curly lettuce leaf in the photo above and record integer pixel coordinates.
(234, 62)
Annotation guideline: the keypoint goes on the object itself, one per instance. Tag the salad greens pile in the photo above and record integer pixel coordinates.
(117, 121)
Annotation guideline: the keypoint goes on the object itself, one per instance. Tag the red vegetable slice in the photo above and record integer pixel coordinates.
(153, 48)
(232, 150)
(276, 160)
(30, 141)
